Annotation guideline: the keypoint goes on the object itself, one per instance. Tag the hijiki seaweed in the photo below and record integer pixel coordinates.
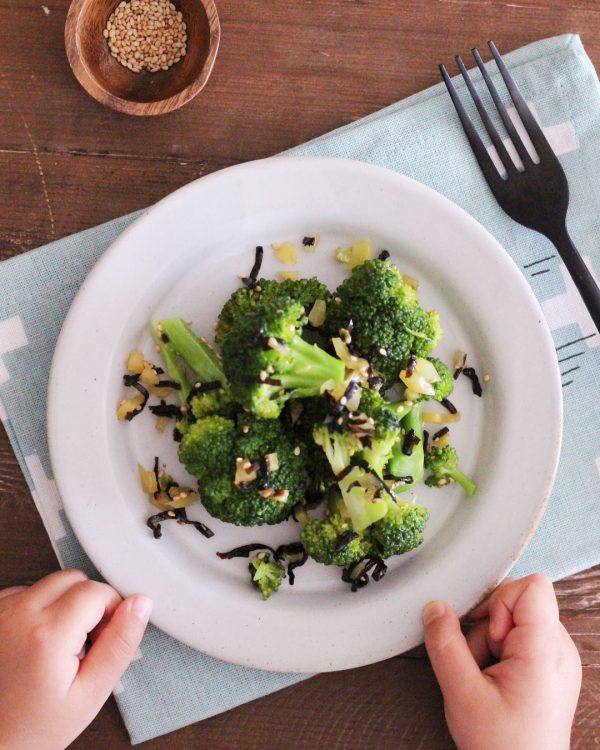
(179, 515)
(250, 281)
(470, 373)
(357, 574)
(293, 555)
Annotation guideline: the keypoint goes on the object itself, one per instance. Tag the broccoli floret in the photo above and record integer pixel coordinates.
(245, 300)
(267, 362)
(401, 529)
(362, 498)
(333, 542)
(409, 466)
(339, 447)
(386, 418)
(443, 387)
(209, 450)
(266, 574)
(389, 325)
(218, 401)
(443, 463)
(320, 474)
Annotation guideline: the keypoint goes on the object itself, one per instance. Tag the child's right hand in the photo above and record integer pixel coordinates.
(527, 699)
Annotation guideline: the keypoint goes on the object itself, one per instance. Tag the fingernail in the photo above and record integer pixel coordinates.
(433, 611)
(141, 607)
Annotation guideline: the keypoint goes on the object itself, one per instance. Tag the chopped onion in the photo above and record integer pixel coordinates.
(286, 253)
(273, 461)
(318, 313)
(351, 361)
(149, 376)
(147, 480)
(414, 283)
(437, 418)
(135, 361)
(129, 406)
(423, 375)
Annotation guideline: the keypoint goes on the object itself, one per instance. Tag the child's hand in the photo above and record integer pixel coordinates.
(528, 698)
(48, 694)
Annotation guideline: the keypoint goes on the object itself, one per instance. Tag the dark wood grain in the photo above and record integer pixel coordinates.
(287, 71)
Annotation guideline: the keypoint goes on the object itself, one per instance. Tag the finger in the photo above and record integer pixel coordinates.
(482, 610)
(477, 641)
(12, 590)
(114, 649)
(528, 601)
(50, 588)
(455, 668)
(83, 606)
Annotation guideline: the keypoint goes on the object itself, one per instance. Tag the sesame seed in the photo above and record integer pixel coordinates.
(297, 450)
(154, 28)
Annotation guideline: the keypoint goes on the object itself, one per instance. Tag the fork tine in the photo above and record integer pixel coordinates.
(531, 126)
(508, 123)
(484, 160)
(505, 158)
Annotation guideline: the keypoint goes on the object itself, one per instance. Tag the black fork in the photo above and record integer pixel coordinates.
(538, 196)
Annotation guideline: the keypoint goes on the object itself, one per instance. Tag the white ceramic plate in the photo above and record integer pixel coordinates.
(183, 258)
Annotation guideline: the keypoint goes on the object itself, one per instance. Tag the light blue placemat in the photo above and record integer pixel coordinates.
(171, 685)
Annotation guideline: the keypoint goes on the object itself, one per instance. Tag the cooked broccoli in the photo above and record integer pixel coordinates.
(195, 352)
(388, 323)
(401, 529)
(401, 465)
(267, 362)
(386, 428)
(246, 299)
(339, 447)
(266, 574)
(332, 541)
(311, 413)
(442, 388)
(443, 463)
(230, 462)
(362, 497)
(218, 401)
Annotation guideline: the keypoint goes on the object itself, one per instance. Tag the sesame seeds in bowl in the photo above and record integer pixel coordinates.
(142, 57)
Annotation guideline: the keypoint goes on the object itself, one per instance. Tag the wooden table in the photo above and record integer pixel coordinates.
(288, 70)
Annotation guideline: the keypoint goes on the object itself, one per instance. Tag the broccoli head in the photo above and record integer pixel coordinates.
(401, 529)
(266, 573)
(388, 323)
(385, 419)
(267, 361)
(430, 374)
(248, 474)
(333, 542)
(246, 299)
(443, 464)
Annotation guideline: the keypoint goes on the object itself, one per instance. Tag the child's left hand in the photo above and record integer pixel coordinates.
(49, 693)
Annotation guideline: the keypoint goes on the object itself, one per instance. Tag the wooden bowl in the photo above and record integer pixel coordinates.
(140, 93)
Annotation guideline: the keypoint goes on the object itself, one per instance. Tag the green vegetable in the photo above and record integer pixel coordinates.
(267, 362)
(443, 387)
(386, 418)
(209, 449)
(323, 540)
(266, 574)
(245, 300)
(401, 529)
(196, 352)
(443, 464)
(389, 325)
(401, 465)
(175, 369)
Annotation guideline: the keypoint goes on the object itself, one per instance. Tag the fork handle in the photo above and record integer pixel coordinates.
(580, 273)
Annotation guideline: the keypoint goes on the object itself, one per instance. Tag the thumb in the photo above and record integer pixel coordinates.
(455, 668)
(114, 648)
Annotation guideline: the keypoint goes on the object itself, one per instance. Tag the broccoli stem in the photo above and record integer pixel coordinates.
(467, 484)
(401, 465)
(198, 355)
(175, 371)
(311, 367)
